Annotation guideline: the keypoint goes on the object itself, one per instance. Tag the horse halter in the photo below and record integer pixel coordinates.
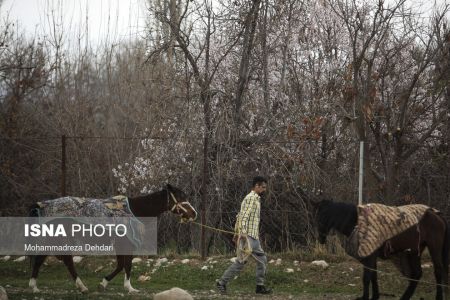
(177, 205)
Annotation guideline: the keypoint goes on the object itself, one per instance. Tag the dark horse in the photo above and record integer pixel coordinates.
(151, 205)
(431, 232)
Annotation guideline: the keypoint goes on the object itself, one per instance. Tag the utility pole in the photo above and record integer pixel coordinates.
(361, 172)
(63, 165)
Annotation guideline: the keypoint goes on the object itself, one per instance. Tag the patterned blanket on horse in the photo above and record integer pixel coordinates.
(85, 207)
(116, 207)
(377, 223)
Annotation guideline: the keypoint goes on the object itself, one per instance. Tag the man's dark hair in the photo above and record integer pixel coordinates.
(258, 180)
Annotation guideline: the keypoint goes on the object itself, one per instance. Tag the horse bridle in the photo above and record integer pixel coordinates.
(177, 205)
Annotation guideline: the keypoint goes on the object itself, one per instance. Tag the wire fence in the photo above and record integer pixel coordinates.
(36, 168)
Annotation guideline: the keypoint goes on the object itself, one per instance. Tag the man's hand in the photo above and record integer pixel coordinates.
(236, 237)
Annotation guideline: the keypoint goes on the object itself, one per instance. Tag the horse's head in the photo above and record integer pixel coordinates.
(178, 204)
(339, 216)
(322, 217)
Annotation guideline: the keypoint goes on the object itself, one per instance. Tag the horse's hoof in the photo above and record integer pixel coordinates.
(80, 285)
(36, 290)
(133, 291)
(102, 285)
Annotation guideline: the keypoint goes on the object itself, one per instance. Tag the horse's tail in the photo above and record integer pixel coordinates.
(34, 212)
(445, 259)
(446, 252)
(446, 245)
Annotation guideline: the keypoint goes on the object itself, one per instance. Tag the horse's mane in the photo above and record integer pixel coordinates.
(329, 205)
(149, 205)
(338, 215)
(155, 203)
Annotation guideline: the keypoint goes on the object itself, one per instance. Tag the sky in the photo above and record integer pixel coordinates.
(106, 20)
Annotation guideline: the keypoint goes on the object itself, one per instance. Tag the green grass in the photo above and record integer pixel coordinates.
(341, 280)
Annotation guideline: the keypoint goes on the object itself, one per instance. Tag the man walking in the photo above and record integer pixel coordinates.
(247, 226)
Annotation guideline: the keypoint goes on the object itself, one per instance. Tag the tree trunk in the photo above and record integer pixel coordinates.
(205, 172)
(244, 67)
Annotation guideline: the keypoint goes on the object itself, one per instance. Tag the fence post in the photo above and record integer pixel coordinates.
(203, 235)
(63, 165)
(361, 172)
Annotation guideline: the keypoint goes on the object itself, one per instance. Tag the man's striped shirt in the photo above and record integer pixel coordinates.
(249, 216)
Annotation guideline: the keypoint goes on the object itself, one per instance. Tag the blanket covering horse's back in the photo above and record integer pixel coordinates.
(89, 209)
(85, 207)
(378, 223)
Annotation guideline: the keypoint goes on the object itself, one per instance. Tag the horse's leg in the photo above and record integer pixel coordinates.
(68, 261)
(36, 263)
(369, 264)
(126, 282)
(439, 269)
(374, 280)
(445, 261)
(119, 267)
(416, 272)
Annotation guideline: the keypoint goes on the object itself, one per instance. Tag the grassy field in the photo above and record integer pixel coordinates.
(341, 280)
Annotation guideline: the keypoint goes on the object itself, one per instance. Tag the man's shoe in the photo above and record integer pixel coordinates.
(261, 289)
(222, 288)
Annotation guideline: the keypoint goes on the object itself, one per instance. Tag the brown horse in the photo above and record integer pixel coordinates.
(431, 232)
(151, 205)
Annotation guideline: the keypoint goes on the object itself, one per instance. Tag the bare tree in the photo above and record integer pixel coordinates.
(250, 25)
